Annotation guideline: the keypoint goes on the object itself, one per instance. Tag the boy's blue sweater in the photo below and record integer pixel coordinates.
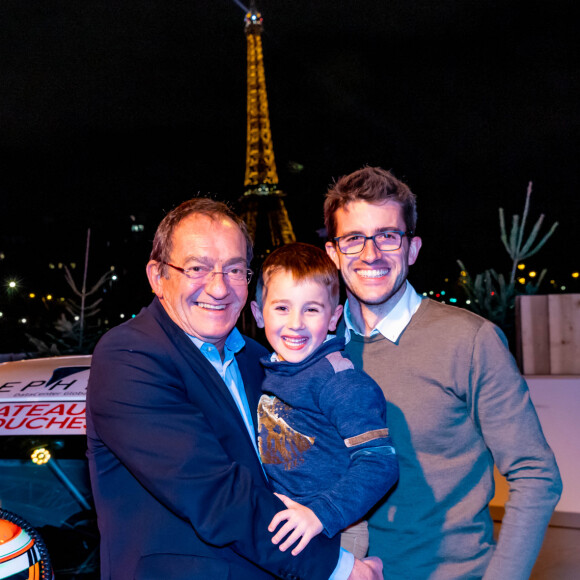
(323, 437)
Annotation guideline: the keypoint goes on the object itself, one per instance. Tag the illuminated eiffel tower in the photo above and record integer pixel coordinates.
(262, 205)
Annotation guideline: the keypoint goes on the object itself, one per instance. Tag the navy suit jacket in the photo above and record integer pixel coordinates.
(178, 487)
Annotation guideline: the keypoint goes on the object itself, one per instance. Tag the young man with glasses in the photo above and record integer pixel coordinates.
(178, 486)
(455, 401)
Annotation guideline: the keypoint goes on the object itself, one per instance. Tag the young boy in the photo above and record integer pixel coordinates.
(322, 431)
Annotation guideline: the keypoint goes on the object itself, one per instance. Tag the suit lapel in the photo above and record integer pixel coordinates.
(211, 380)
(198, 364)
(252, 378)
(252, 384)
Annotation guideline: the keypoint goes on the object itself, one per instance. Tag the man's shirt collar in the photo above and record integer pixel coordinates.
(234, 343)
(393, 324)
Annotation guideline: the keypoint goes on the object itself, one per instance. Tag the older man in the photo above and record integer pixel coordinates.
(178, 486)
(456, 402)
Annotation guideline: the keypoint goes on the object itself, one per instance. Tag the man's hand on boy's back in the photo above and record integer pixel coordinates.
(300, 520)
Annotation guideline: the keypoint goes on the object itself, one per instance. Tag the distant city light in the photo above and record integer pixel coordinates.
(521, 266)
(532, 274)
(77, 318)
(562, 288)
(11, 284)
(49, 296)
(453, 300)
(442, 292)
(468, 302)
(424, 293)
(121, 316)
(575, 274)
(2, 255)
(463, 273)
(114, 277)
(51, 266)
(32, 295)
(1, 314)
(431, 292)
(522, 280)
(23, 320)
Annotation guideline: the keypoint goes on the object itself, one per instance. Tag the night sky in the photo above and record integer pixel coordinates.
(116, 109)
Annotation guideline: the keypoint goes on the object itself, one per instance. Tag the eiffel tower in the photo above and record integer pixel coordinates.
(262, 204)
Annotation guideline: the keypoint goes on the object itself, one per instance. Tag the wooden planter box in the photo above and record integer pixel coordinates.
(548, 334)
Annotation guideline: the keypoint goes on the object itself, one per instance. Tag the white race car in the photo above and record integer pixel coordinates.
(43, 463)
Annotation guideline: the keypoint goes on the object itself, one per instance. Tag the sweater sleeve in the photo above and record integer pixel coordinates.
(356, 406)
(502, 409)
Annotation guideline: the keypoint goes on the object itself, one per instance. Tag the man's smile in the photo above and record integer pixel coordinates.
(378, 273)
(207, 306)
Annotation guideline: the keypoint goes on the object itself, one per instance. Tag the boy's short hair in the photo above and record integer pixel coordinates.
(304, 262)
(373, 185)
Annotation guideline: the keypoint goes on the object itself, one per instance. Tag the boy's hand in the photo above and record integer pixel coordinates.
(300, 519)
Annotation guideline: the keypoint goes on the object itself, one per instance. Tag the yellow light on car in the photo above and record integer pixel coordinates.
(40, 456)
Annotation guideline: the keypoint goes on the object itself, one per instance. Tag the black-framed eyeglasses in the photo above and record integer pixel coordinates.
(385, 241)
(235, 274)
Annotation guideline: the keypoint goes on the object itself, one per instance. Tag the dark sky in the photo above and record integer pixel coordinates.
(111, 109)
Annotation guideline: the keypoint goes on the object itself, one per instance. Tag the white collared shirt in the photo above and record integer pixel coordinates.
(393, 324)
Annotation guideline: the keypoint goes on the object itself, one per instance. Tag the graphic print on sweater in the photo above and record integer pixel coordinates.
(277, 441)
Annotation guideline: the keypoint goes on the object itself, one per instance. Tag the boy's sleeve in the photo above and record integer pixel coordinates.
(355, 404)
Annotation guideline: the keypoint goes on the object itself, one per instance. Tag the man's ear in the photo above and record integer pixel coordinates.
(257, 312)
(331, 251)
(335, 318)
(155, 278)
(414, 247)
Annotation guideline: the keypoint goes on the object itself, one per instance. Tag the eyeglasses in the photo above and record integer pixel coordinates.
(385, 241)
(236, 275)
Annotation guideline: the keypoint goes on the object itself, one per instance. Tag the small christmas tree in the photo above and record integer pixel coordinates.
(491, 294)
